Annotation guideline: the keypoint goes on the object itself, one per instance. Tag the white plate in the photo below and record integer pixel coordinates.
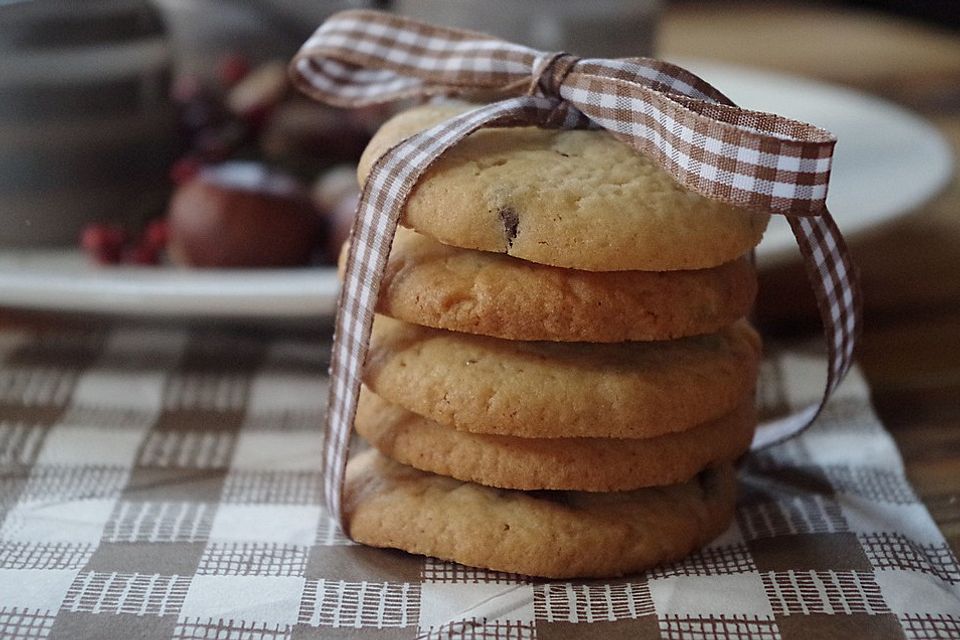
(888, 162)
(66, 281)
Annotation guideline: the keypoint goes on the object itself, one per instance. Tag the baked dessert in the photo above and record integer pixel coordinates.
(553, 390)
(435, 285)
(577, 199)
(560, 379)
(579, 464)
(554, 534)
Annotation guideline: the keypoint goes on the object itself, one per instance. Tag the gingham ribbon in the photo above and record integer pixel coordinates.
(757, 161)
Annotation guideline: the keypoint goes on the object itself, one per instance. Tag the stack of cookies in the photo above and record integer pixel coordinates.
(560, 378)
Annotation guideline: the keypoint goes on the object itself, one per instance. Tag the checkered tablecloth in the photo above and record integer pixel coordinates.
(161, 484)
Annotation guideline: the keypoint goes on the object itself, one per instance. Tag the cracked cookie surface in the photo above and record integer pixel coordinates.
(490, 294)
(556, 389)
(554, 534)
(575, 199)
(579, 464)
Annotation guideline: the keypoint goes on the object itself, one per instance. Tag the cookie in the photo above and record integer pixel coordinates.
(562, 389)
(553, 534)
(580, 464)
(444, 287)
(576, 199)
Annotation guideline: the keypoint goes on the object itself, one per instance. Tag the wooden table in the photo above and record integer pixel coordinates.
(911, 269)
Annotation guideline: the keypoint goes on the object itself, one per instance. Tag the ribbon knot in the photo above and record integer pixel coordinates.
(549, 72)
(756, 161)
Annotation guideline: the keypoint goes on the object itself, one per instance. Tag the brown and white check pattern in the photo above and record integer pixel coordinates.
(102, 537)
(757, 161)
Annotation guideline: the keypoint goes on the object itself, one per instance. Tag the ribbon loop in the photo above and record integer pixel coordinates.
(549, 72)
(757, 161)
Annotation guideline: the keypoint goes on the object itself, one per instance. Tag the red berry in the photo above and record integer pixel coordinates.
(103, 242)
(184, 169)
(232, 69)
(141, 254)
(98, 235)
(156, 234)
(256, 118)
(107, 256)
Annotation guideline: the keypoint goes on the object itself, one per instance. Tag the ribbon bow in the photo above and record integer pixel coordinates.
(756, 161)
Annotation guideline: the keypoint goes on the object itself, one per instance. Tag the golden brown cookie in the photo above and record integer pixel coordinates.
(557, 389)
(578, 464)
(444, 287)
(575, 199)
(554, 534)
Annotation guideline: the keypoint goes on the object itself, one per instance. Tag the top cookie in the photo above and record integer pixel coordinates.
(575, 199)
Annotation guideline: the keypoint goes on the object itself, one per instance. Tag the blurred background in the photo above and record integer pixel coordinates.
(154, 159)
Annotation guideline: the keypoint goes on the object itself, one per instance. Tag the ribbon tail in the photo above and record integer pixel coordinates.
(835, 283)
(387, 188)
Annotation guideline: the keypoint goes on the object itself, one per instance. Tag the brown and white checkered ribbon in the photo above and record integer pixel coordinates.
(756, 161)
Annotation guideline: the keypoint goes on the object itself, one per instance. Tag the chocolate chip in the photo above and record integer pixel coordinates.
(510, 221)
